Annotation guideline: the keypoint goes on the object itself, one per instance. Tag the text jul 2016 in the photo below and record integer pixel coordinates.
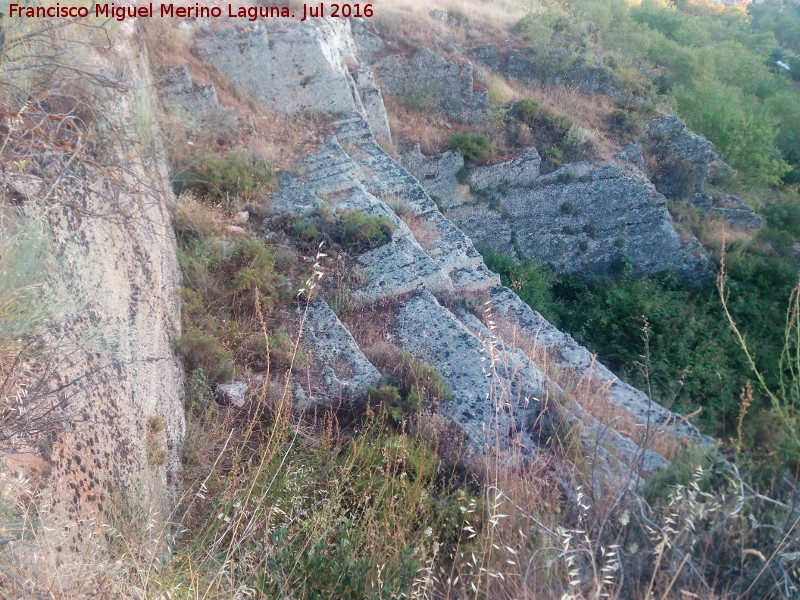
(122, 12)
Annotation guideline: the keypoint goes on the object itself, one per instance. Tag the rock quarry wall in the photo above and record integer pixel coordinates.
(117, 372)
(500, 384)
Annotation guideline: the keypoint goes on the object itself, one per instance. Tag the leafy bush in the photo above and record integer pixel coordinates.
(219, 178)
(553, 155)
(221, 280)
(627, 123)
(356, 230)
(526, 109)
(415, 384)
(471, 145)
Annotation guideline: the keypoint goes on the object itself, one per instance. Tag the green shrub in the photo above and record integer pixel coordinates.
(471, 145)
(626, 123)
(202, 350)
(526, 109)
(356, 230)
(462, 175)
(553, 155)
(568, 208)
(219, 178)
(414, 384)
(305, 229)
(25, 305)
(220, 281)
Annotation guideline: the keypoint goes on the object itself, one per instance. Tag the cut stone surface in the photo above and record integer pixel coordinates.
(488, 403)
(344, 371)
(519, 171)
(398, 267)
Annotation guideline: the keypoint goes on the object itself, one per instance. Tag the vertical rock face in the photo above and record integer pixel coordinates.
(292, 67)
(579, 219)
(119, 373)
(430, 81)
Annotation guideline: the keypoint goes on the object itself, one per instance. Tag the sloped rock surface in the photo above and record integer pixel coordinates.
(497, 388)
(488, 403)
(583, 219)
(684, 159)
(737, 212)
(195, 106)
(429, 80)
(568, 354)
(343, 369)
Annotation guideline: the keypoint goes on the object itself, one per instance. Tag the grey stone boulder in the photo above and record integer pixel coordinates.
(730, 208)
(428, 80)
(522, 170)
(437, 174)
(195, 106)
(631, 155)
(339, 369)
(232, 394)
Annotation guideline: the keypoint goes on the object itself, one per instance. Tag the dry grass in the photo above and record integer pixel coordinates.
(409, 23)
(591, 394)
(586, 109)
(429, 129)
(425, 232)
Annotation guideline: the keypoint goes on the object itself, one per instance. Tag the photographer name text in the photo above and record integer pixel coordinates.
(151, 10)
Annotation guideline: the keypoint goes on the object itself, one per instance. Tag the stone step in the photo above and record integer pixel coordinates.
(341, 371)
(330, 170)
(452, 250)
(474, 278)
(494, 402)
(568, 354)
(396, 268)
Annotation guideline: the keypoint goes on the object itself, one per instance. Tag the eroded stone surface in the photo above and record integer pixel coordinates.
(584, 219)
(196, 106)
(429, 80)
(493, 405)
(344, 371)
(519, 171)
(437, 174)
(288, 67)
